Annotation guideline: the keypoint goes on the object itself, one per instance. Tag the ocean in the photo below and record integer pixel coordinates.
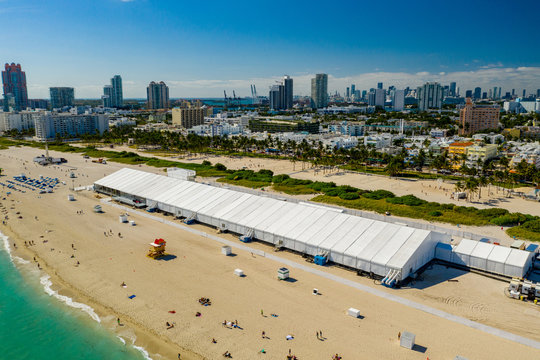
(37, 323)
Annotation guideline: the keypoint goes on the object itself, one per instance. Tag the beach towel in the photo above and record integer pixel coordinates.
(132, 296)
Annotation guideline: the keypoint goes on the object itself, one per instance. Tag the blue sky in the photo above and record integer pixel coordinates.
(200, 48)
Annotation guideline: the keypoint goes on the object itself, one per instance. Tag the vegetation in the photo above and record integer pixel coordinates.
(529, 230)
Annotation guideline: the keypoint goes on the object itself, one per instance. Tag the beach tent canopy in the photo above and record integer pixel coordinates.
(369, 245)
(490, 257)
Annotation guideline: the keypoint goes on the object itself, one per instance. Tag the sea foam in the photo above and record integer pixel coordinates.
(47, 283)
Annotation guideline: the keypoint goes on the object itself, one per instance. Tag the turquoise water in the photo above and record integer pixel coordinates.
(34, 325)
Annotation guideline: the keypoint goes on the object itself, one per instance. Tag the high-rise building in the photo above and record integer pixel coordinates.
(113, 95)
(353, 88)
(276, 97)
(477, 93)
(379, 85)
(107, 96)
(380, 97)
(484, 95)
(398, 100)
(494, 97)
(474, 118)
(371, 97)
(429, 96)
(281, 95)
(15, 91)
(513, 92)
(446, 91)
(319, 91)
(468, 93)
(38, 104)
(157, 95)
(347, 94)
(117, 92)
(538, 93)
(61, 96)
(50, 126)
(452, 89)
(190, 116)
(524, 93)
(288, 92)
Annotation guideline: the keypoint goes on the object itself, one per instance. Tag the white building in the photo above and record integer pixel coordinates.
(341, 142)
(398, 100)
(345, 128)
(123, 121)
(522, 107)
(20, 121)
(49, 126)
(378, 141)
(220, 129)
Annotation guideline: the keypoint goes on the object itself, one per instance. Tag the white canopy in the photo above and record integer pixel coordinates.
(353, 241)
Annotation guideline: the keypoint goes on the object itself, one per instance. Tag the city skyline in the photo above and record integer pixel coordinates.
(207, 48)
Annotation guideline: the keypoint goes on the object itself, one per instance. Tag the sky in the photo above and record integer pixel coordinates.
(200, 48)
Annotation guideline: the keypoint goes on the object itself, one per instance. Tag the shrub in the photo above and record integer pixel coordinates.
(349, 195)
(332, 192)
(207, 163)
(378, 194)
(491, 213)
(278, 179)
(266, 173)
(220, 167)
(409, 200)
(295, 182)
(321, 185)
(513, 219)
(435, 213)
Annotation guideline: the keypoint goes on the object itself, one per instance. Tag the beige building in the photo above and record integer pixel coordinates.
(190, 116)
(474, 118)
(482, 152)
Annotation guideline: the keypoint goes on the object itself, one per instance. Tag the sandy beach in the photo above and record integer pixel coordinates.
(90, 255)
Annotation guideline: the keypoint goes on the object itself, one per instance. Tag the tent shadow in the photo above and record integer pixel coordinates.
(433, 275)
(167, 257)
(291, 280)
(419, 348)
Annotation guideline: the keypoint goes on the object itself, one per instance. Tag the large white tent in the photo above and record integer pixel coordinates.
(364, 244)
(487, 257)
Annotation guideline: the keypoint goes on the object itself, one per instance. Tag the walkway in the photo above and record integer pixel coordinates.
(292, 264)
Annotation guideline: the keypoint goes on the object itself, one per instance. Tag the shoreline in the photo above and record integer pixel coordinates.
(53, 285)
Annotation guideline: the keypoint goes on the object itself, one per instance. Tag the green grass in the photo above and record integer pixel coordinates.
(245, 183)
(294, 189)
(528, 231)
(453, 214)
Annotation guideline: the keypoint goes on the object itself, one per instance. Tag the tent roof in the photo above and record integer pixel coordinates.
(465, 247)
(316, 226)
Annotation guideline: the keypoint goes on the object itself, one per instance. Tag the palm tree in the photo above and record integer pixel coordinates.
(471, 184)
(482, 181)
(458, 186)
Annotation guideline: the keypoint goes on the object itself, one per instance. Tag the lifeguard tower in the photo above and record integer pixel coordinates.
(157, 249)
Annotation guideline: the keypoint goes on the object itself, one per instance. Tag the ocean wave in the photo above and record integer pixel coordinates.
(46, 282)
(122, 340)
(6, 246)
(143, 352)
(21, 260)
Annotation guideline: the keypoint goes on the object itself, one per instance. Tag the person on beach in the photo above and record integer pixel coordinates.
(214, 341)
(263, 334)
(118, 320)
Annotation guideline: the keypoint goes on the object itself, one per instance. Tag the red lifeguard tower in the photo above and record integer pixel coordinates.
(157, 249)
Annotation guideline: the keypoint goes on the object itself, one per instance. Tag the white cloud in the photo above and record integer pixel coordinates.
(508, 78)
